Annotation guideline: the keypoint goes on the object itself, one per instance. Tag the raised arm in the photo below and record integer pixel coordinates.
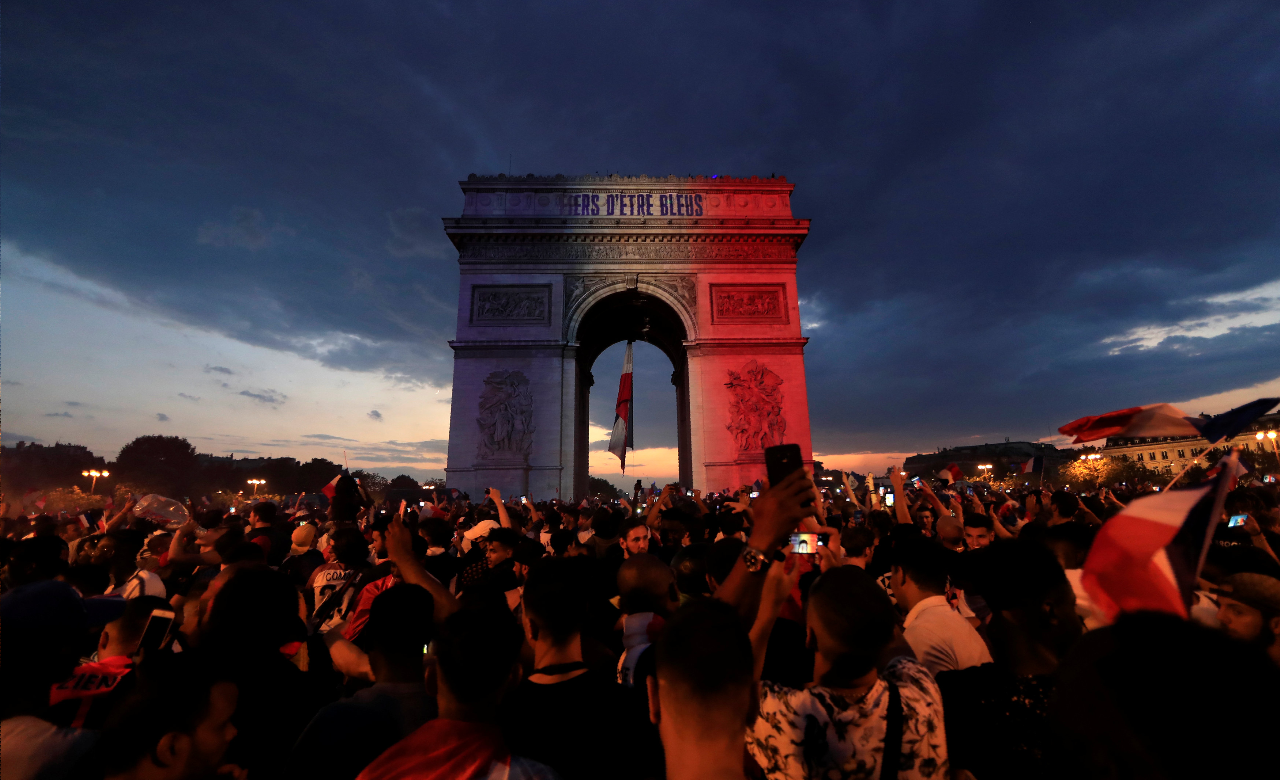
(899, 503)
(178, 548)
(776, 512)
(778, 584)
(503, 517)
(118, 520)
(400, 550)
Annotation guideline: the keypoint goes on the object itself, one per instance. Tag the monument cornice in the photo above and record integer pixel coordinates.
(560, 180)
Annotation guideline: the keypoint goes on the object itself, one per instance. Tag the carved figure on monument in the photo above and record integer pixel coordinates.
(510, 304)
(755, 415)
(506, 416)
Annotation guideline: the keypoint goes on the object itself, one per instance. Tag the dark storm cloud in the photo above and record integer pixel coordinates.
(1001, 192)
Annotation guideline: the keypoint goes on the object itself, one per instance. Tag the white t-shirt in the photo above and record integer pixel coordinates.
(941, 638)
(142, 583)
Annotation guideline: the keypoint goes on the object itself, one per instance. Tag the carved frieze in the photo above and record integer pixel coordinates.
(506, 417)
(654, 251)
(755, 413)
(578, 287)
(508, 305)
(684, 288)
(749, 303)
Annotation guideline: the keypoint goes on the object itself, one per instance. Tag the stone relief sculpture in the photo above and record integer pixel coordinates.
(733, 302)
(506, 417)
(510, 304)
(682, 287)
(578, 287)
(755, 415)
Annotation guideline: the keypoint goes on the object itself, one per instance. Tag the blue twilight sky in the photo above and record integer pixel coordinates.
(222, 221)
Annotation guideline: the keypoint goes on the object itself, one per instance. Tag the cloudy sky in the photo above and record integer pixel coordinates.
(222, 222)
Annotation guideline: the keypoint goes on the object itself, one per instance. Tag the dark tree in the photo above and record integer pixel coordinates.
(317, 473)
(374, 483)
(602, 487)
(404, 482)
(162, 464)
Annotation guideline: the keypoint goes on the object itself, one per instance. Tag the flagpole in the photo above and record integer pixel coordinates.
(1178, 476)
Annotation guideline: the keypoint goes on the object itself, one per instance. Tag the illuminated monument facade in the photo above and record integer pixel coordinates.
(555, 270)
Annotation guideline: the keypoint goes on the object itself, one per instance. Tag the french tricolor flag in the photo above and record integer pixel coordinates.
(1139, 421)
(623, 436)
(1149, 556)
(1029, 467)
(951, 474)
(331, 489)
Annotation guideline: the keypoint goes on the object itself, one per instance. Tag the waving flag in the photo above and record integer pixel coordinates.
(1148, 556)
(1228, 424)
(951, 473)
(623, 436)
(1235, 470)
(1140, 421)
(1032, 466)
(331, 489)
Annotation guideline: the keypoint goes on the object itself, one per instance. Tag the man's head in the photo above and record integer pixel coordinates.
(175, 724)
(721, 560)
(121, 636)
(437, 531)
(850, 621)
(502, 545)
(478, 652)
(635, 538)
(926, 517)
(1063, 505)
(690, 567)
(400, 626)
(646, 584)
(704, 692)
(1029, 594)
(1249, 608)
(979, 530)
(263, 514)
(555, 599)
(348, 547)
(859, 543)
(950, 533)
(919, 571)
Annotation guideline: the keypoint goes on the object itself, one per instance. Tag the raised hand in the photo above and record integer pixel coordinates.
(780, 508)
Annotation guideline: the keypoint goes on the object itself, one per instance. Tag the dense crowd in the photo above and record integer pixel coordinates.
(786, 632)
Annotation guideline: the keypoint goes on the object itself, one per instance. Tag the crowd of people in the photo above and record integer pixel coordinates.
(789, 632)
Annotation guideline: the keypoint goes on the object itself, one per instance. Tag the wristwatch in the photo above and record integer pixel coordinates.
(754, 559)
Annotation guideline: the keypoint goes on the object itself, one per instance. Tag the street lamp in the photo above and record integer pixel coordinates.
(94, 473)
(255, 483)
(1272, 436)
(986, 470)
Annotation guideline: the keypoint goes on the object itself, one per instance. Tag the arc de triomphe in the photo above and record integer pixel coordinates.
(554, 270)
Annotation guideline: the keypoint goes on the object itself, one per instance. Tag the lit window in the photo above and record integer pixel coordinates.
(1181, 454)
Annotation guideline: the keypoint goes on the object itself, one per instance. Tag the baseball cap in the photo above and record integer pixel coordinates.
(1256, 590)
(302, 538)
(480, 530)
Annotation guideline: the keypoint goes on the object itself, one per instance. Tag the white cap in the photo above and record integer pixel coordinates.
(480, 529)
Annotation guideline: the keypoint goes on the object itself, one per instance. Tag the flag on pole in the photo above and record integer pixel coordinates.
(623, 436)
(110, 505)
(331, 489)
(84, 522)
(1030, 466)
(951, 474)
(1149, 556)
(1235, 470)
(40, 503)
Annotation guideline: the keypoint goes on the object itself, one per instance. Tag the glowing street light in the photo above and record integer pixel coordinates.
(94, 473)
(986, 470)
(255, 483)
(1272, 436)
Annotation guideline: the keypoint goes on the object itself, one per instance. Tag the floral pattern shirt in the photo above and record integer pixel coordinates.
(817, 733)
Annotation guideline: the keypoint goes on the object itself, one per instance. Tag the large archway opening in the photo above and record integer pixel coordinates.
(613, 320)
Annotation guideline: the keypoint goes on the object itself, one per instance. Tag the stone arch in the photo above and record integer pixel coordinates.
(619, 314)
(677, 291)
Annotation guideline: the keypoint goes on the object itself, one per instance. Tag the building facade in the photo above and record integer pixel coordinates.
(1171, 454)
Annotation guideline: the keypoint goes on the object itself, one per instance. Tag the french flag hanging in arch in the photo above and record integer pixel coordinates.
(623, 436)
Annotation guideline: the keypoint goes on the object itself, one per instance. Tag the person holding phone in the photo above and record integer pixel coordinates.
(94, 689)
